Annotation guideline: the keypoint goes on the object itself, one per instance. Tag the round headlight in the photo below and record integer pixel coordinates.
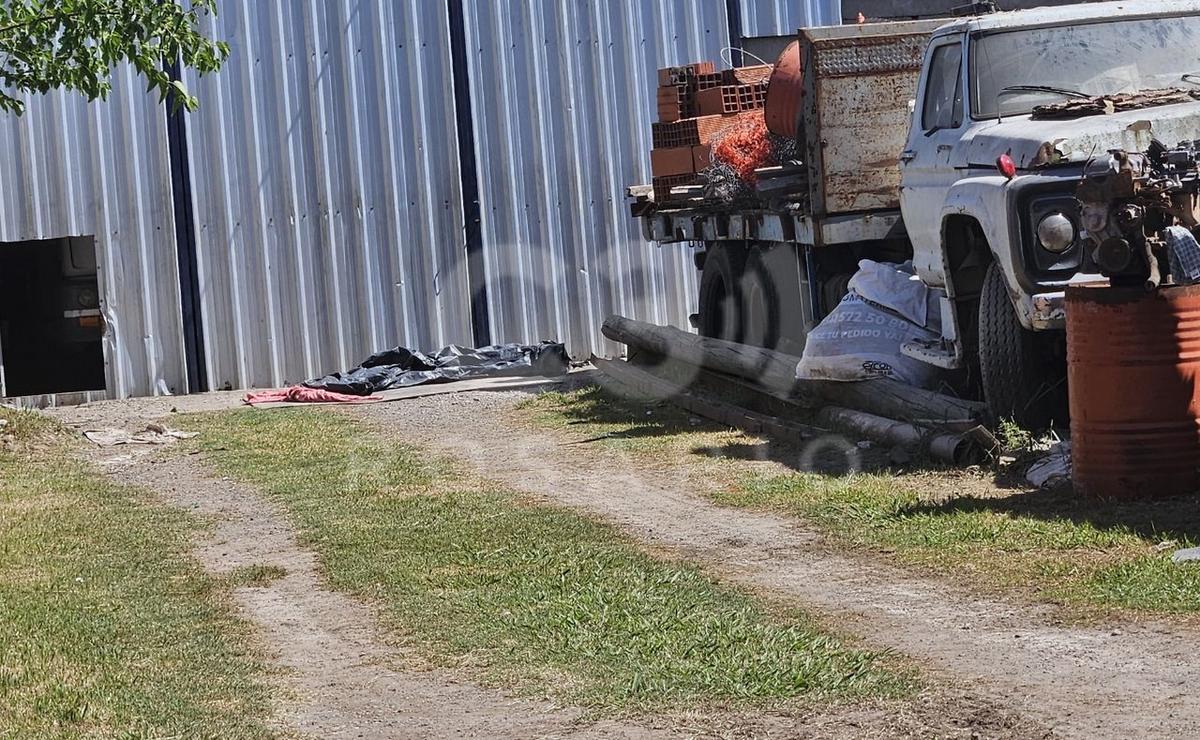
(1056, 232)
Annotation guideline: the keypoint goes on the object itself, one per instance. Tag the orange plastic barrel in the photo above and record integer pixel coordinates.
(784, 93)
(1133, 370)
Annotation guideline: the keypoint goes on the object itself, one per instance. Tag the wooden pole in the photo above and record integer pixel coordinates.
(776, 372)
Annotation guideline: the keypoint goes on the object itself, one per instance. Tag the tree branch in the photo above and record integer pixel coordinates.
(60, 17)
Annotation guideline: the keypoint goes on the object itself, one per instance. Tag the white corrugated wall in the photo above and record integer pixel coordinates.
(73, 168)
(325, 179)
(784, 17)
(562, 97)
(326, 187)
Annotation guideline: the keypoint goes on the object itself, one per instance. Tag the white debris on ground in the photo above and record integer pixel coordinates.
(1186, 555)
(1052, 468)
(153, 434)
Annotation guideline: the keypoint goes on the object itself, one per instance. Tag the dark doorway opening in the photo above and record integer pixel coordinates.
(51, 328)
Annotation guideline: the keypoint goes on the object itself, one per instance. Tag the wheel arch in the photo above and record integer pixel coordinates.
(980, 206)
(966, 252)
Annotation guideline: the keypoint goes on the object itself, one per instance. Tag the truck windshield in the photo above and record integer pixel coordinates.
(1091, 58)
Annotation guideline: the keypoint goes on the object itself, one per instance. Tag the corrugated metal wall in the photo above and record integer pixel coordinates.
(562, 96)
(781, 17)
(73, 168)
(326, 187)
(325, 180)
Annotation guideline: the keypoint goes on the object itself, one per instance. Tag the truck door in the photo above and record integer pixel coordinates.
(926, 169)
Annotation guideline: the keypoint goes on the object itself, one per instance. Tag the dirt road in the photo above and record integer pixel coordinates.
(1081, 682)
(338, 676)
(998, 659)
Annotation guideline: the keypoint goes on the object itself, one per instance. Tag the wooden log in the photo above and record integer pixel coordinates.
(629, 380)
(776, 372)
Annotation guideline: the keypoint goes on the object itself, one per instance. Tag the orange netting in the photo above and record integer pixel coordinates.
(745, 146)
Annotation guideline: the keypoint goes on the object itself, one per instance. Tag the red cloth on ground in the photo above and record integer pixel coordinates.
(302, 394)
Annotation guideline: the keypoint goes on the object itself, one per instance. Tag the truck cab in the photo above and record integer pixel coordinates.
(1000, 137)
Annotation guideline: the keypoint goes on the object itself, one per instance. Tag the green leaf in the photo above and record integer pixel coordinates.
(76, 45)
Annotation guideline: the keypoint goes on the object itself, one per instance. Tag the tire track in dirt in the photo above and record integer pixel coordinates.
(1078, 681)
(337, 678)
(338, 673)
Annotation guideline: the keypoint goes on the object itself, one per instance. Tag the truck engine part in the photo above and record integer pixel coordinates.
(1128, 201)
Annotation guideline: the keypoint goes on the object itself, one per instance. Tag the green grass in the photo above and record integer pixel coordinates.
(255, 576)
(1091, 556)
(1013, 437)
(623, 425)
(1003, 540)
(527, 596)
(107, 628)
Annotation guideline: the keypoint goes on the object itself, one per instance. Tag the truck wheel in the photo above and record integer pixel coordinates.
(762, 306)
(775, 298)
(1008, 361)
(720, 292)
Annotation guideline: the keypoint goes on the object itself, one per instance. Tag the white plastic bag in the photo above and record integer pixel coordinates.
(861, 338)
(899, 289)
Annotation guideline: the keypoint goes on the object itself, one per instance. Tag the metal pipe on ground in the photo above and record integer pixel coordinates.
(959, 448)
(632, 381)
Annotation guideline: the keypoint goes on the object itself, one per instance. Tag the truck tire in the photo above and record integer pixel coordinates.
(721, 291)
(1008, 361)
(762, 304)
(776, 304)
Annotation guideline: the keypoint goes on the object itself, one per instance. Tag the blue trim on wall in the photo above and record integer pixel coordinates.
(469, 176)
(185, 241)
(733, 12)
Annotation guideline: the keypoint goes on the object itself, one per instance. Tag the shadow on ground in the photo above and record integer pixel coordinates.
(824, 452)
(836, 455)
(1177, 518)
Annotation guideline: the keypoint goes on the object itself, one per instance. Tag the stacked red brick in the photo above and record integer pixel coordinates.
(677, 88)
(695, 104)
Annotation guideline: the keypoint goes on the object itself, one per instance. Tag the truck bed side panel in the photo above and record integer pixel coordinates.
(858, 82)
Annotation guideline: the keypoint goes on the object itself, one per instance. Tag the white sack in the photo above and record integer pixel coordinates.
(861, 338)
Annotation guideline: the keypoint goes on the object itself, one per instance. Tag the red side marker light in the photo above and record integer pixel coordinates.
(1007, 166)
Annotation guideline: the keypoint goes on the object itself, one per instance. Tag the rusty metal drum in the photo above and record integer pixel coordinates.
(1133, 370)
(785, 91)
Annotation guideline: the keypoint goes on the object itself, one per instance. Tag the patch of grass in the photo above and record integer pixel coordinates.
(1090, 555)
(625, 425)
(107, 627)
(256, 576)
(1013, 437)
(530, 596)
(21, 428)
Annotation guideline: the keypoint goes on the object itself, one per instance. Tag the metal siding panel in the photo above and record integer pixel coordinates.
(81, 169)
(563, 95)
(784, 17)
(326, 188)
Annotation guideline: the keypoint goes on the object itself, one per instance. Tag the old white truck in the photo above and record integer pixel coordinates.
(959, 145)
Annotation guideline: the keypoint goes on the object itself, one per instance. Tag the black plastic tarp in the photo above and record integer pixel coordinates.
(400, 367)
